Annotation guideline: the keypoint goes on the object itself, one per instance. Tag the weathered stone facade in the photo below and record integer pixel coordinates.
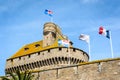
(95, 70)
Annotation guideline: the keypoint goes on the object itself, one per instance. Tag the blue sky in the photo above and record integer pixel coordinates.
(21, 22)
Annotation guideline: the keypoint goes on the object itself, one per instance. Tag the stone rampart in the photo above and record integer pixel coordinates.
(96, 70)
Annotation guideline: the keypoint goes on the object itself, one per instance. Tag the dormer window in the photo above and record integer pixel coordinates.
(26, 49)
(37, 45)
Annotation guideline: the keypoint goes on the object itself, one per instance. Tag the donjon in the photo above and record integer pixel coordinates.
(47, 53)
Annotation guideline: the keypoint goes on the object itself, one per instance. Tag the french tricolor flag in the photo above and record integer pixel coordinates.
(103, 31)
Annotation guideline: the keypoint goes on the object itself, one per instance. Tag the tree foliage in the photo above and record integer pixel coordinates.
(18, 76)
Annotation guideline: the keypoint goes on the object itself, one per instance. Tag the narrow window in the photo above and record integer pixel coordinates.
(11, 60)
(74, 49)
(29, 55)
(38, 53)
(19, 58)
(60, 49)
(48, 50)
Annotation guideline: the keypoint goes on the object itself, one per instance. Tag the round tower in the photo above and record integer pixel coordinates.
(49, 34)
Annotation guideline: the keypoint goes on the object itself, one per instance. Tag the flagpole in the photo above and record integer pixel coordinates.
(89, 50)
(51, 19)
(87, 39)
(111, 45)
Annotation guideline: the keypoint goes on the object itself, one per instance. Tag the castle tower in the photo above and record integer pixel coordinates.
(49, 34)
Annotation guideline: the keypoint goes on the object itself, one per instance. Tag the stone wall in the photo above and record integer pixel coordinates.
(95, 70)
(47, 59)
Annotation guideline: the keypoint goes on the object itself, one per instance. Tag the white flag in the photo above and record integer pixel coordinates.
(84, 37)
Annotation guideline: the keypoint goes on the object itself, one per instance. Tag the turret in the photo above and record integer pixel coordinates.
(49, 34)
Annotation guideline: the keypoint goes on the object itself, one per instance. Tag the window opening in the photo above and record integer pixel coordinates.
(37, 45)
(26, 49)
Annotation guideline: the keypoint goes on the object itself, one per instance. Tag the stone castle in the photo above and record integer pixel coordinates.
(50, 60)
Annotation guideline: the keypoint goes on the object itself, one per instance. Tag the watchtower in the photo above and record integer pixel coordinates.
(50, 33)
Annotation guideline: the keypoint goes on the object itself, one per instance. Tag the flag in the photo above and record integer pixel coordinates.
(48, 12)
(84, 37)
(107, 34)
(104, 32)
(64, 43)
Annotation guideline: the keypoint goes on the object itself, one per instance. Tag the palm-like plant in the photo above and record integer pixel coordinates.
(19, 76)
